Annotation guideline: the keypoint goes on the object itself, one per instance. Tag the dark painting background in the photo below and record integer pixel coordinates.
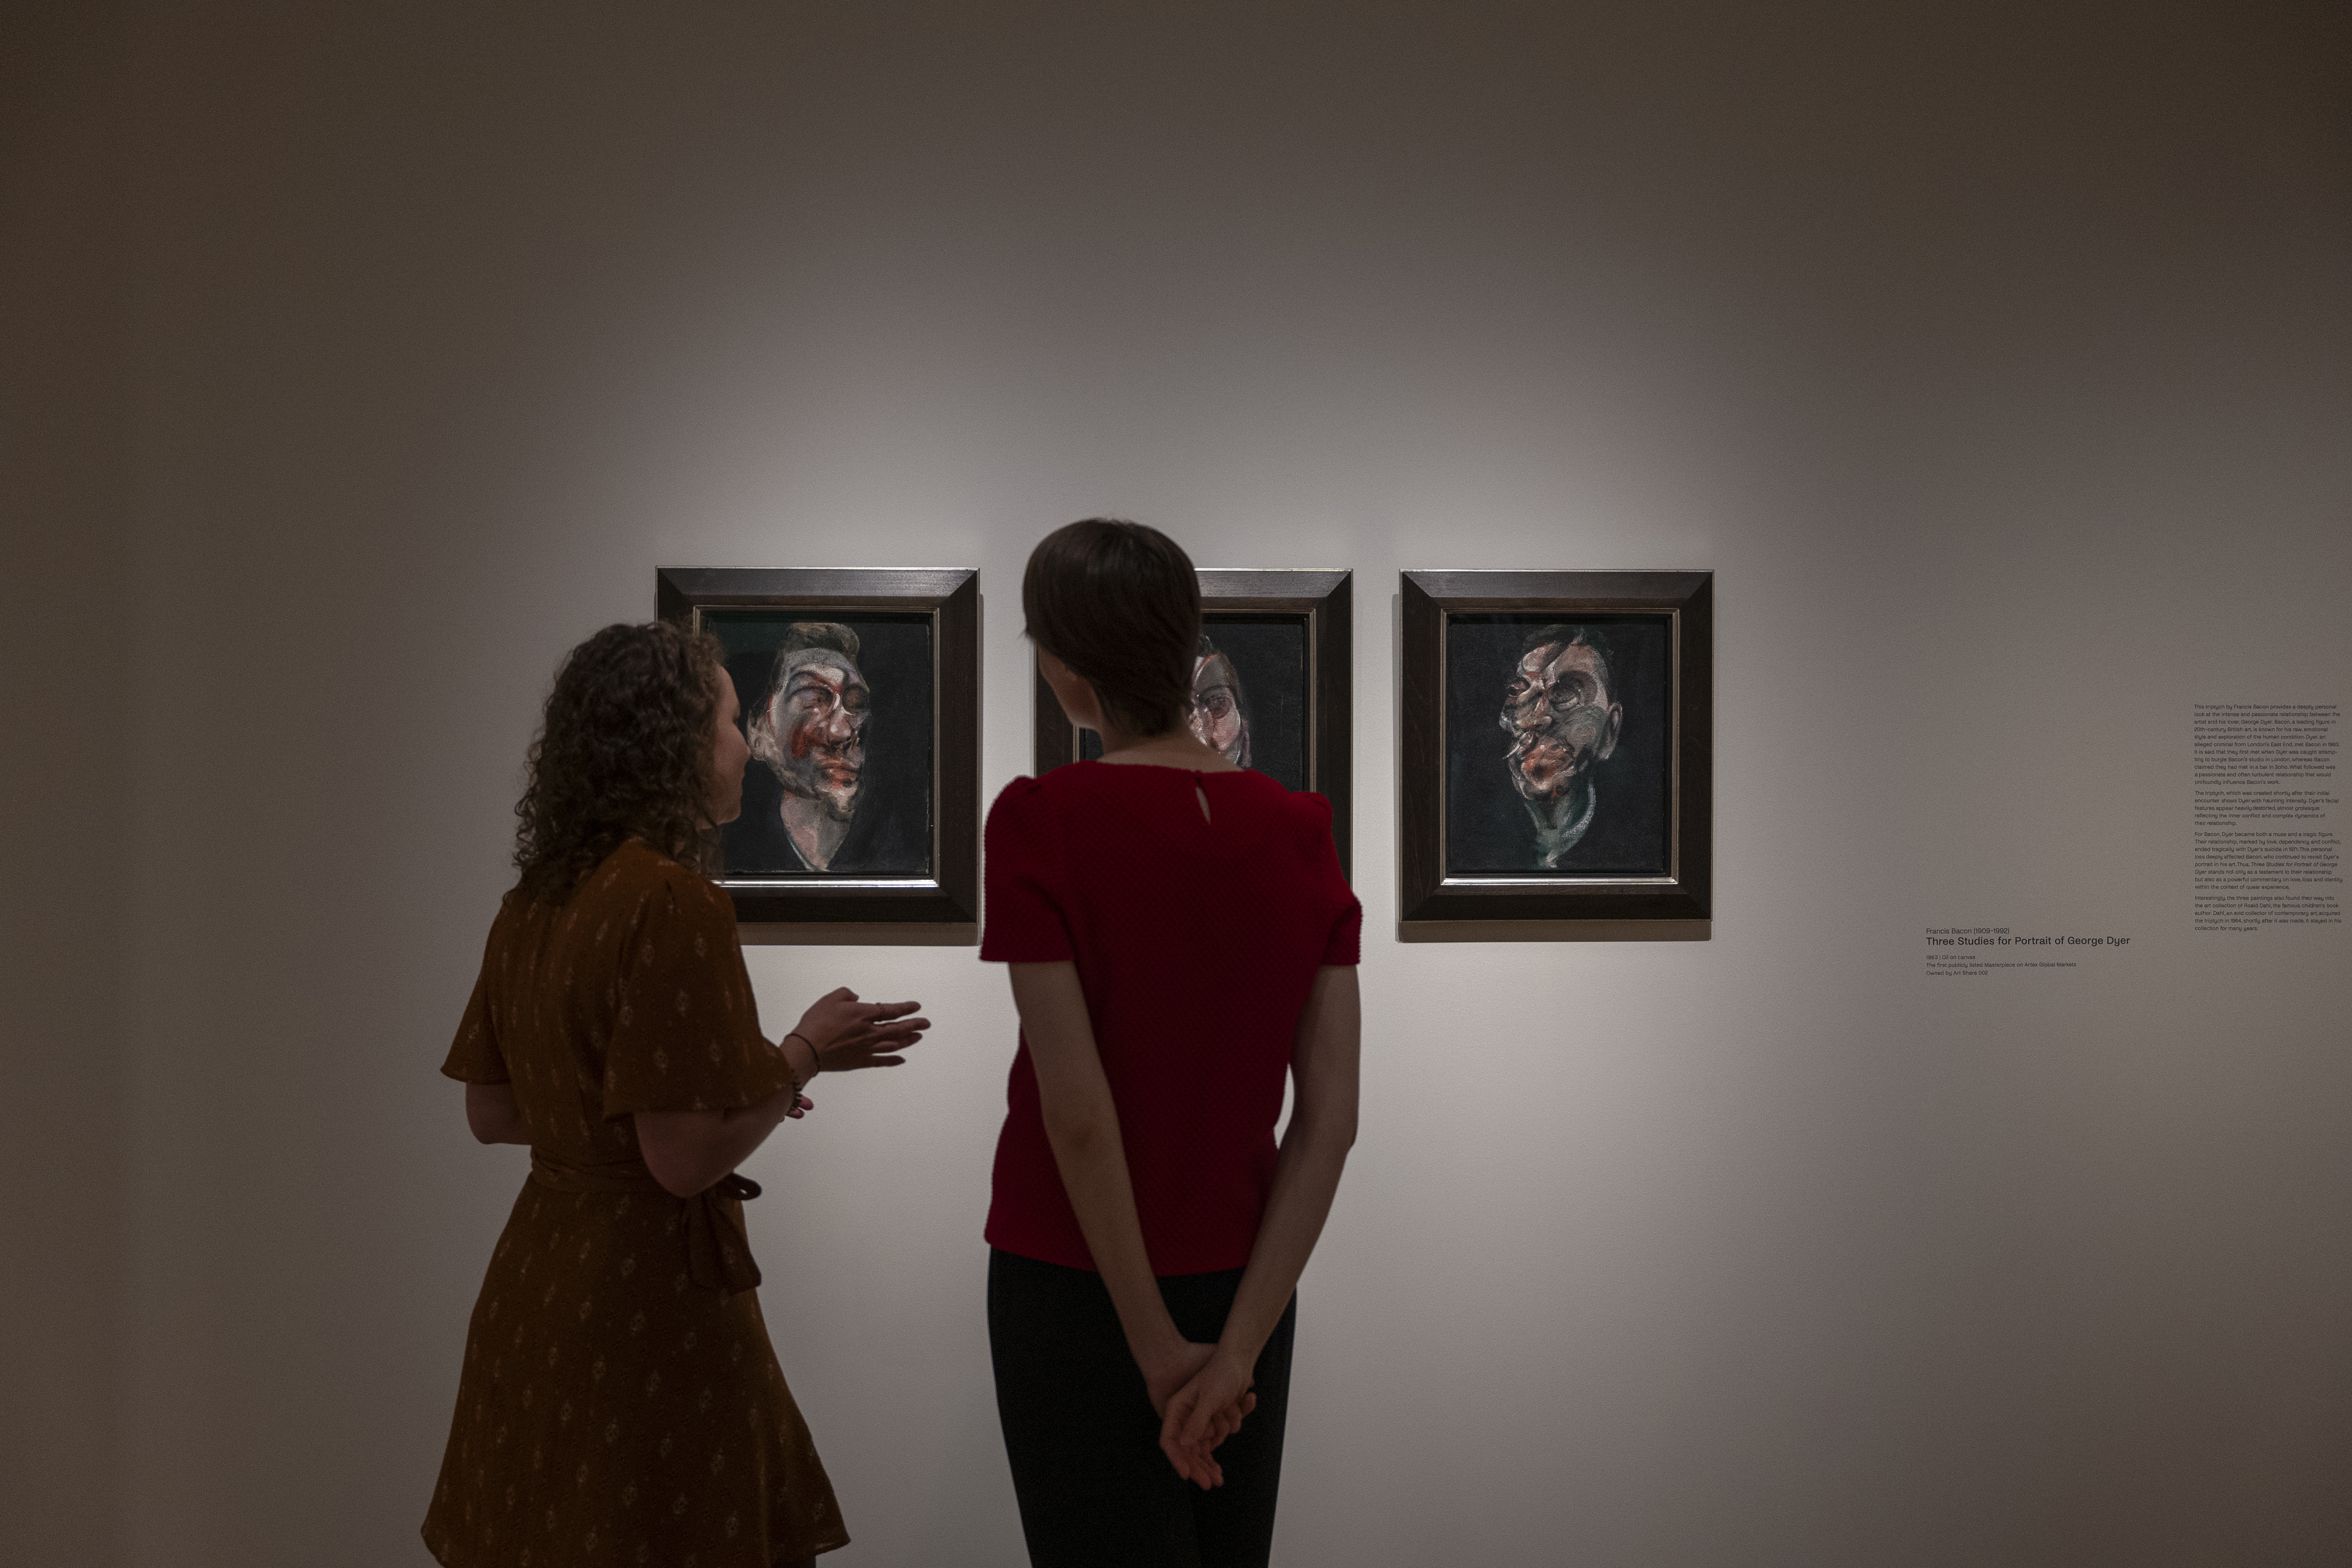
(892, 833)
(1269, 654)
(1487, 828)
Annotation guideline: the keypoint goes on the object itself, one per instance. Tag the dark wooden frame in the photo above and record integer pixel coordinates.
(952, 596)
(1427, 893)
(1322, 597)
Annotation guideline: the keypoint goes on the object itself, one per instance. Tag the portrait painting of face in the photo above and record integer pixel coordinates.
(1555, 736)
(1219, 719)
(811, 731)
(837, 713)
(1249, 694)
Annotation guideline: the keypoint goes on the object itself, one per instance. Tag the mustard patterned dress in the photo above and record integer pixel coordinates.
(620, 1402)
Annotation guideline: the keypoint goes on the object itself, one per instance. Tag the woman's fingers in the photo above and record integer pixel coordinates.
(1193, 1457)
(912, 1030)
(1172, 1414)
(1200, 1419)
(892, 1040)
(1208, 1409)
(1192, 1461)
(1193, 1465)
(1209, 1425)
(1189, 1428)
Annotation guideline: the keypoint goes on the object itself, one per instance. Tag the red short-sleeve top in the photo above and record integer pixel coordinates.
(1196, 940)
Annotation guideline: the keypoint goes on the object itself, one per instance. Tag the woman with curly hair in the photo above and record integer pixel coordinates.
(620, 1402)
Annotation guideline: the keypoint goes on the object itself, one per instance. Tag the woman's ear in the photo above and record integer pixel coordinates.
(1074, 691)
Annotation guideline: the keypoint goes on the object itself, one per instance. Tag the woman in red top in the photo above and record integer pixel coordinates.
(1180, 936)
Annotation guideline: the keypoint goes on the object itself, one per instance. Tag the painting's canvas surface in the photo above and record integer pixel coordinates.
(1249, 694)
(838, 711)
(1557, 745)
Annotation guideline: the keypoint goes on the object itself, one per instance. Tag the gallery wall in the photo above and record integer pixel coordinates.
(65, 496)
(1994, 359)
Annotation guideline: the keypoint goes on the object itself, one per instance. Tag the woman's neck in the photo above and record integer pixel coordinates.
(1175, 749)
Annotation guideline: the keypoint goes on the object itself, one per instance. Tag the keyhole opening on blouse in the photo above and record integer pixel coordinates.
(1202, 797)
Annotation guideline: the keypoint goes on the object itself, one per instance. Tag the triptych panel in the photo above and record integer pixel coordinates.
(1554, 758)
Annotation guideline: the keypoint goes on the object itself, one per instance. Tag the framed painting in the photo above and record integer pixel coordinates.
(1556, 738)
(1271, 686)
(860, 696)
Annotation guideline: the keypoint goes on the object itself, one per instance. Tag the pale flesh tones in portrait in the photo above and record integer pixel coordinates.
(814, 736)
(1216, 719)
(1559, 712)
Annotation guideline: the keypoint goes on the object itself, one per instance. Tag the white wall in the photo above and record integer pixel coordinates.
(1995, 362)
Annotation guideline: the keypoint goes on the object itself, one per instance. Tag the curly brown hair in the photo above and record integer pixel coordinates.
(622, 751)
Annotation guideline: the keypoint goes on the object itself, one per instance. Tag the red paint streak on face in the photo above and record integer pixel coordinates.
(809, 731)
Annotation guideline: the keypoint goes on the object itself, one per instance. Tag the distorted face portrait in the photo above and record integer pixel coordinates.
(1249, 698)
(811, 732)
(1560, 712)
(1580, 783)
(1219, 717)
(839, 717)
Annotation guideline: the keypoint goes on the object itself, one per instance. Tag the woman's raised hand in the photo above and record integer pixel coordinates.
(847, 1034)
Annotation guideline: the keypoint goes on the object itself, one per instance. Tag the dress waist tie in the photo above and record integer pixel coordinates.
(717, 1253)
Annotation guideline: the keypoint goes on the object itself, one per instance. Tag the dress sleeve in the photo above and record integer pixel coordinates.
(1027, 892)
(686, 1032)
(1343, 946)
(474, 1056)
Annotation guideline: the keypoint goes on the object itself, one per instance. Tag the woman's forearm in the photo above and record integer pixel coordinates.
(743, 1129)
(1306, 1179)
(1092, 1158)
(687, 1150)
(493, 1115)
(1082, 1127)
(1323, 1065)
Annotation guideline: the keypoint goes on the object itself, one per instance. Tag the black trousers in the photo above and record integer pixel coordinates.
(1094, 1488)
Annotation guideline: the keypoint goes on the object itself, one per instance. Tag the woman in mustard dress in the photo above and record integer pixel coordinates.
(620, 1402)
